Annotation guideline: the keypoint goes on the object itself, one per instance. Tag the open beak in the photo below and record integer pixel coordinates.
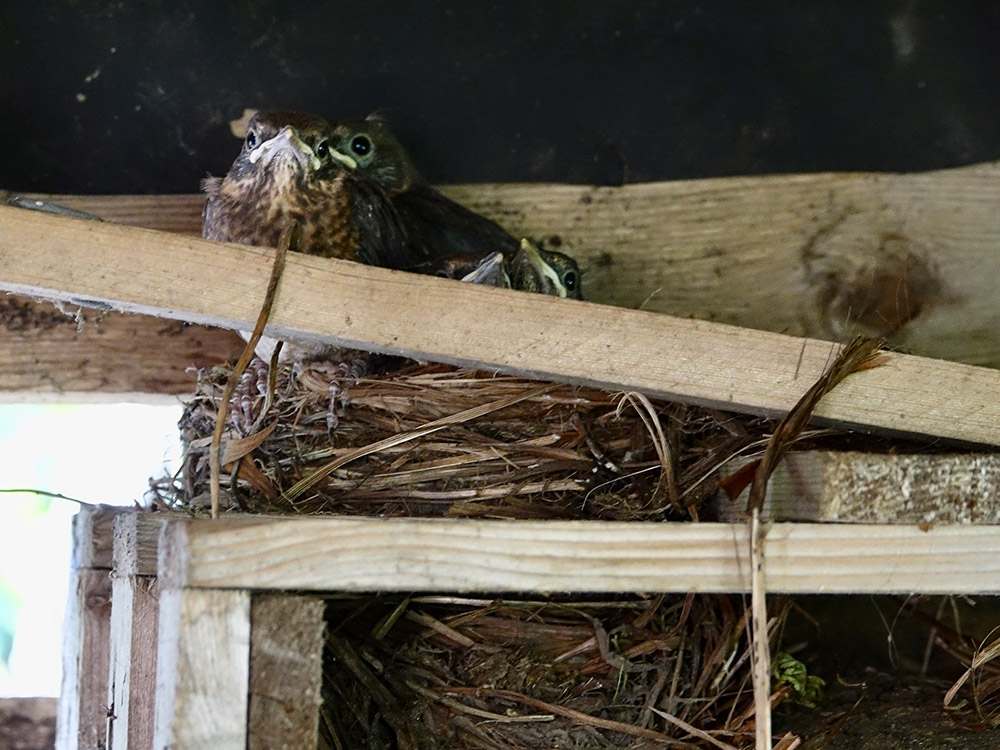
(489, 271)
(286, 143)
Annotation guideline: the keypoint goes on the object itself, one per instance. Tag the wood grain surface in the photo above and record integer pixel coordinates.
(693, 361)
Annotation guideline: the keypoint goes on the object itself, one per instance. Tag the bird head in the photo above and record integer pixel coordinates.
(545, 272)
(286, 146)
(369, 150)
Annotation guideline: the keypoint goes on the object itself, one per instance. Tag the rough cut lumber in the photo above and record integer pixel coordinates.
(202, 670)
(429, 318)
(287, 634)
(338, 554)
(83, 708)
(285, 658)
(856, 487)
(85, 355)
(132, 683)
(911, 257)
(83, 711)
(93, 535)
(135, 607)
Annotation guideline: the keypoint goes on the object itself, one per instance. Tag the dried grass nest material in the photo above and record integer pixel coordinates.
(428, 672)
(434, 440)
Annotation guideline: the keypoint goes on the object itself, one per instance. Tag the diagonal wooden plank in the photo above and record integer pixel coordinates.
(342, 554)
(906, 256)
(348, 304)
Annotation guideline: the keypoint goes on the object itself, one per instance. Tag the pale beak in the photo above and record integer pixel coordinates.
(348, 161)
(490, 271)
(287, 142)
(549, 280)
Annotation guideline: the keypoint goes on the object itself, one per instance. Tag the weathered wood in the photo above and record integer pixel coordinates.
(46, 354)
(134, 630)
(93, 535)
(132, 688)
(854, 487)
(83, 711)
(431, 318)
(337, 554)
(910, 257)
(27, 723)
(83, 706)
(202, 670)
(286, 671)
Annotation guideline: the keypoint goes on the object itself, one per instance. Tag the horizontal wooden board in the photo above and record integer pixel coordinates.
(339, 554)
(348, 304)
(856, 487)
(80, 356)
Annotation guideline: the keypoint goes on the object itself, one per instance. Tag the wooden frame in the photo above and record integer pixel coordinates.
(224, 625)
(210, 594)
(908, 257)
(83, 710)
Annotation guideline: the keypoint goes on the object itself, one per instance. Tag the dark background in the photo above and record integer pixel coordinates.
(114, 97)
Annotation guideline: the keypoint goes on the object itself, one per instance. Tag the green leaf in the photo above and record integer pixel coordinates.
(786, 670)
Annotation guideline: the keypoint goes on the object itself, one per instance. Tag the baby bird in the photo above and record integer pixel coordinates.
(437, 228)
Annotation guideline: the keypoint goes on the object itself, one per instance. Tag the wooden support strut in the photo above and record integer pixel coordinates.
(348, 304)
(909, 257)
(83, 709)
(458, 555)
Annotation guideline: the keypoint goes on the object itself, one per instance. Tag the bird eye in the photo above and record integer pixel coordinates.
(251, 139)
(361, 145)
(570, 280)
(323, 149)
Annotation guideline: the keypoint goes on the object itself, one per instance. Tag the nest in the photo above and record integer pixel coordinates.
(431, 440)
(640, 672)
(434, 440)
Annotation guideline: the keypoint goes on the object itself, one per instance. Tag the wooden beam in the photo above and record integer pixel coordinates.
(202, 670)
(93, 535)
(348, 304)
(134, 635)
(85, 355)
(338, 554)
(910, 257)
(83, 710)
(132, 685)
(855, 487)
(287, 634)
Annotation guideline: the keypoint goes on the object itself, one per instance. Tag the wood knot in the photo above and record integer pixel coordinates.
(868, 280)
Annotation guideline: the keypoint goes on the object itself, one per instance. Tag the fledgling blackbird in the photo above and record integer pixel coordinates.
(526, 270)
(357, 195)
(437, 228)
(286, 172)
